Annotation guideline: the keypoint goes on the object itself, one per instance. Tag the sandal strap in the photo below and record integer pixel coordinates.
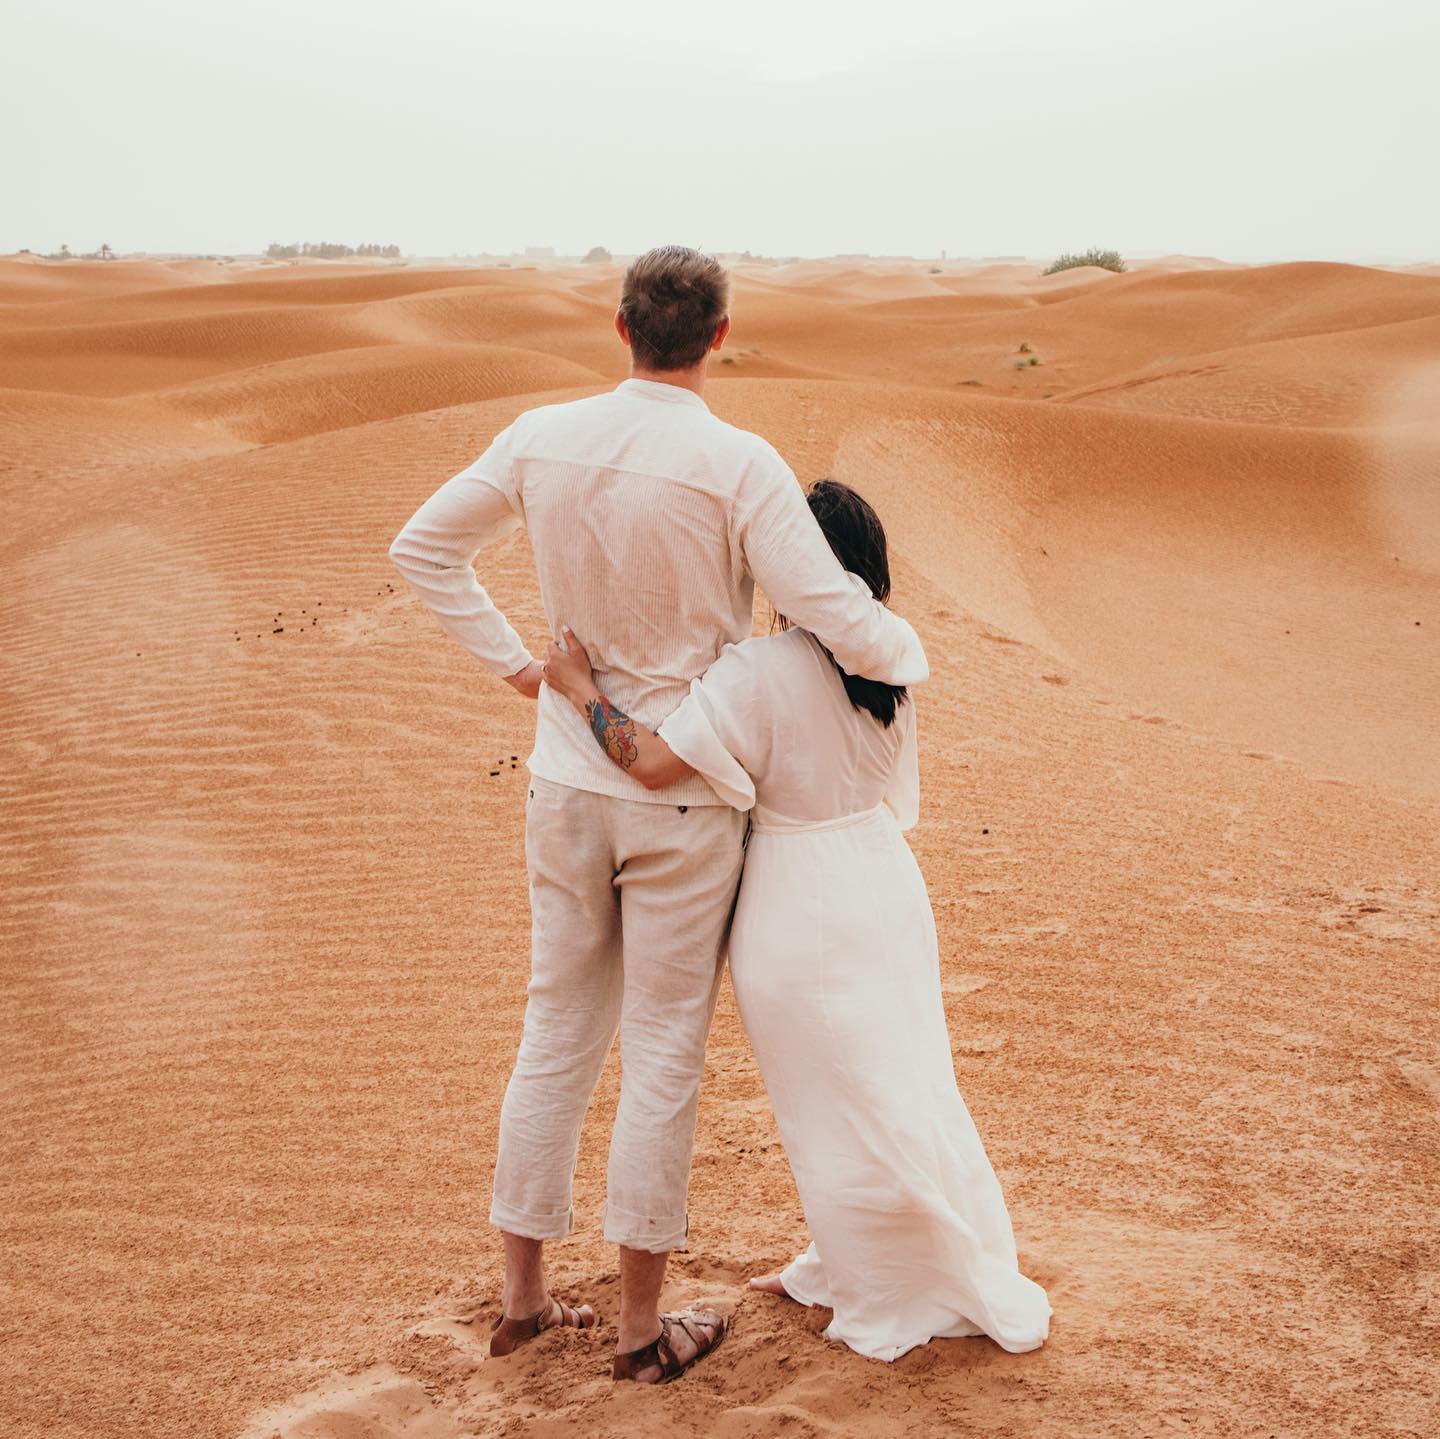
(524, 1328)
(510, 1334)
(665, 1355)
(698, 1340)
(660, 1352)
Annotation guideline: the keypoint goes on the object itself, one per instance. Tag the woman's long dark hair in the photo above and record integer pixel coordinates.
(858, 539)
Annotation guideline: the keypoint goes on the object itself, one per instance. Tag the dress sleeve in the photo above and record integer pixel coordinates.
(716, 727)
(902, 794)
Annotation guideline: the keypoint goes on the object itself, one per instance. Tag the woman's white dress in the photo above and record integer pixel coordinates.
(836, 971)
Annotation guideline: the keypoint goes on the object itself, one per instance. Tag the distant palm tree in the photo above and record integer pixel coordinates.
(64, 252)
(106, 253)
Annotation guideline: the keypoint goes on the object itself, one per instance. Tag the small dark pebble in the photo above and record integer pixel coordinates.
(984, 831)
(278, 630)
(494, 773)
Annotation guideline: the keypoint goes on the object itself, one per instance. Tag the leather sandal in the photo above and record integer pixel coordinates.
(507, 1335)
(660, 1353)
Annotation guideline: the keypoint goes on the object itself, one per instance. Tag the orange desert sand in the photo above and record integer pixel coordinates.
(265, 925)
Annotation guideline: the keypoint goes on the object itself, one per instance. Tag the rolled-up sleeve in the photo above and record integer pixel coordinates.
(789, 557)
(436, 549)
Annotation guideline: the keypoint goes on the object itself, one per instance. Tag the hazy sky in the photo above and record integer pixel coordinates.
(1248, 129)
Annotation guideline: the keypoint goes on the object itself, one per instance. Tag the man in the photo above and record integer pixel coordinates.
(651, 520)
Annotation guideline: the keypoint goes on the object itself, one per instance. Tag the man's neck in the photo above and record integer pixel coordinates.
(692, 379)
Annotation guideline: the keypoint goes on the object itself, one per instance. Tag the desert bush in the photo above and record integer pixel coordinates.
(1104, 259)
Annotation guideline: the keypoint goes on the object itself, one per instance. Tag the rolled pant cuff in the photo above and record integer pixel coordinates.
(531, 1226)
(639, 1231)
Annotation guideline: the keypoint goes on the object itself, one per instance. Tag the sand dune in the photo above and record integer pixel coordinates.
(31, 280)
(293, 398)
(1182, 780)
(140, 356)
(1343, 380)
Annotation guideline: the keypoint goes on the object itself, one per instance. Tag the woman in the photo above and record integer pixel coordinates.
(836, 971)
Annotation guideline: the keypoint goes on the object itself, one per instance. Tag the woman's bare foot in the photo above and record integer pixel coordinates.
(770, 1284)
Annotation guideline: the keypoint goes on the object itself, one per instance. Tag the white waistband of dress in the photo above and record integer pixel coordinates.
(764, 822)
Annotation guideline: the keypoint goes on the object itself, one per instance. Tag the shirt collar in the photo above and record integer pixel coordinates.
(659, 390)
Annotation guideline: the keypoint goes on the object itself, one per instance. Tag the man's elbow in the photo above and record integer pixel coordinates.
(406, 556)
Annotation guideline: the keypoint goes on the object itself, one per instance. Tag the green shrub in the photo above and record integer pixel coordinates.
(1105, 259)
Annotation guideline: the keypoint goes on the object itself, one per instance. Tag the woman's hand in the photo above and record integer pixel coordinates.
(626, 742)
(568, 670)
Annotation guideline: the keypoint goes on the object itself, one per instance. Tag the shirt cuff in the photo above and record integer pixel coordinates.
(508, 666)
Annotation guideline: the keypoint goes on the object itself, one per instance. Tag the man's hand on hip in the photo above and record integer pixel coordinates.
(527, 681)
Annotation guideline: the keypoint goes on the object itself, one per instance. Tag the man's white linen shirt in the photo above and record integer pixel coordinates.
(651, 519)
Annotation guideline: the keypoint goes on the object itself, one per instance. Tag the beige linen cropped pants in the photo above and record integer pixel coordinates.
(630, 910)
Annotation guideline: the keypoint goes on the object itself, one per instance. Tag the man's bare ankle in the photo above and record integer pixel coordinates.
(637, 1333)
(523, 1304)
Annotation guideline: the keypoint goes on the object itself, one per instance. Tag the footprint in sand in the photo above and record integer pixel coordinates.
(964, 984)
(379, 622)
(1382, 914)
(1421, 1076)
(377, 1401)
(1047, 929)
(980, 1044)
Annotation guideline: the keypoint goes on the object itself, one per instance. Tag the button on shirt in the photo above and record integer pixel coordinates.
(651, 520)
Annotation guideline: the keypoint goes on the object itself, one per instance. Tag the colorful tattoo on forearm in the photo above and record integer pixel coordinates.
(614, 731)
